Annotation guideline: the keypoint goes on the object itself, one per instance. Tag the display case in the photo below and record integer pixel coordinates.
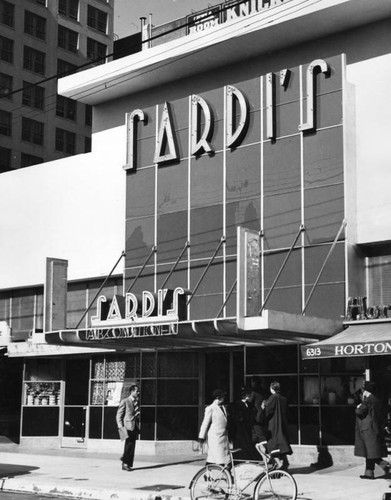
(42, 393)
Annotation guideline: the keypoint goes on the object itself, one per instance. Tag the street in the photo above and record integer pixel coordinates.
(23, 496)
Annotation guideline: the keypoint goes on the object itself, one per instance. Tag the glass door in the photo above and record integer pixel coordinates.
(75, 417)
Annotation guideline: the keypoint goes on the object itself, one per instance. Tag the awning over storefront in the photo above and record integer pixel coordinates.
(367, 338)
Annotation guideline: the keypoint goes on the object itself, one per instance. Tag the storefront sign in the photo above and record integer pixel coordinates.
(148, 314)
(204, 20)
(229, 11)
(346, 350)
(236, 106)
(357, 309)
(236, 9)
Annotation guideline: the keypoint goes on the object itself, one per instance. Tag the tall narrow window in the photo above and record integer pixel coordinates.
(32, 131)
(96, 19)
(33, 95)
(66, 108)
(65, 141)
(67, 39)
(5, 159)
(96, 51)
(69, 8)
(34, 25)
(34, 60)
(6, 49)
(7, 13)
(5, 86)
(65, 68)
(5, 122)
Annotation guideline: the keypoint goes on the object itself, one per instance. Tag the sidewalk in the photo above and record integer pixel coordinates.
(86, 475)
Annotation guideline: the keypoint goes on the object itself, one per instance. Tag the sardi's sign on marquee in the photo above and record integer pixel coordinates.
(346, 350)
(237, 117)
(146, 315)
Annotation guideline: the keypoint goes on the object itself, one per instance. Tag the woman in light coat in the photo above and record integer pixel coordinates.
(214, 429)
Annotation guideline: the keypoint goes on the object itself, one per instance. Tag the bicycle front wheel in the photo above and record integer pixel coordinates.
(277, 485)
(212, 481)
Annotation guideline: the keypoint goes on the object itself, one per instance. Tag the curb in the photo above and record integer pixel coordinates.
(51, 489)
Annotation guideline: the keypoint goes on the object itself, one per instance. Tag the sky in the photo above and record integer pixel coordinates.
(127, 13)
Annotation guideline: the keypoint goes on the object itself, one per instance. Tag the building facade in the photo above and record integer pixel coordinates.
(39, 41)
(252, 231)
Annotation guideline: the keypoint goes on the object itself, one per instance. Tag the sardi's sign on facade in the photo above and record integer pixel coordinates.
(346, 350)
(145, 315)
(237, 116)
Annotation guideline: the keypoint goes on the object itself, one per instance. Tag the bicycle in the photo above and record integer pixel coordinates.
(220, 482)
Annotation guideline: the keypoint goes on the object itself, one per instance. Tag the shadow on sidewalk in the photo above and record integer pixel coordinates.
(12, 470)
(169, 464)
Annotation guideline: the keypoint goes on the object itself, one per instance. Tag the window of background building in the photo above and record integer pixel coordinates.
(66, 108)
(65, 141)
(34, 60)
(379, 280)
(34, 25)
(5, 122)
(40, 2)
(69, 8)
(33, 95)
(29, 160)
(5, 159)
(96, 51)
(32, 131)
(97, 19)
(65, 67)
(5, 85)
(67, 39)
(6, 49)
(88, 115)
(87, 144)
(7, 13)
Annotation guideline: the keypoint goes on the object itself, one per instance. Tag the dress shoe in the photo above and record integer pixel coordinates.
(364, 476)
(126, 467)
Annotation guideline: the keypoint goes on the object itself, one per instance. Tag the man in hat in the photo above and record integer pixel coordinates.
(369, 441)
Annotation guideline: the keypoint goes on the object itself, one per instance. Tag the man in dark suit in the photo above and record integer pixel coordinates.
(242, 420)
(276, 413)
(370, 442)
(128, 417)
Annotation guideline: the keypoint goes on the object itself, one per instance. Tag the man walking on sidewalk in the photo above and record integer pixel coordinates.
(128, 422)
(370, 442)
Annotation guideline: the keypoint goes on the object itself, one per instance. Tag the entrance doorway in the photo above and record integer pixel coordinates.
(224, 370)
(75, 419)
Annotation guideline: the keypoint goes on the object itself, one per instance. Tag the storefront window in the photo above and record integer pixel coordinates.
(169, 384)
(41, 397)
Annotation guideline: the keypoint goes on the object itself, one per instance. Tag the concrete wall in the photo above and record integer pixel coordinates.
(71, 209)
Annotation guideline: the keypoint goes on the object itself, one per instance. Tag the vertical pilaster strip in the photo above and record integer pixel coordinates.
(225, 199)
(261, 208)
(155, 207)
(189, 200)
(302, 237)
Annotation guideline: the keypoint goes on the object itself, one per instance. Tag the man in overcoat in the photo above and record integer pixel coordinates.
(276, 414)
(128, 418)
(369, 439)
(214, 429)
